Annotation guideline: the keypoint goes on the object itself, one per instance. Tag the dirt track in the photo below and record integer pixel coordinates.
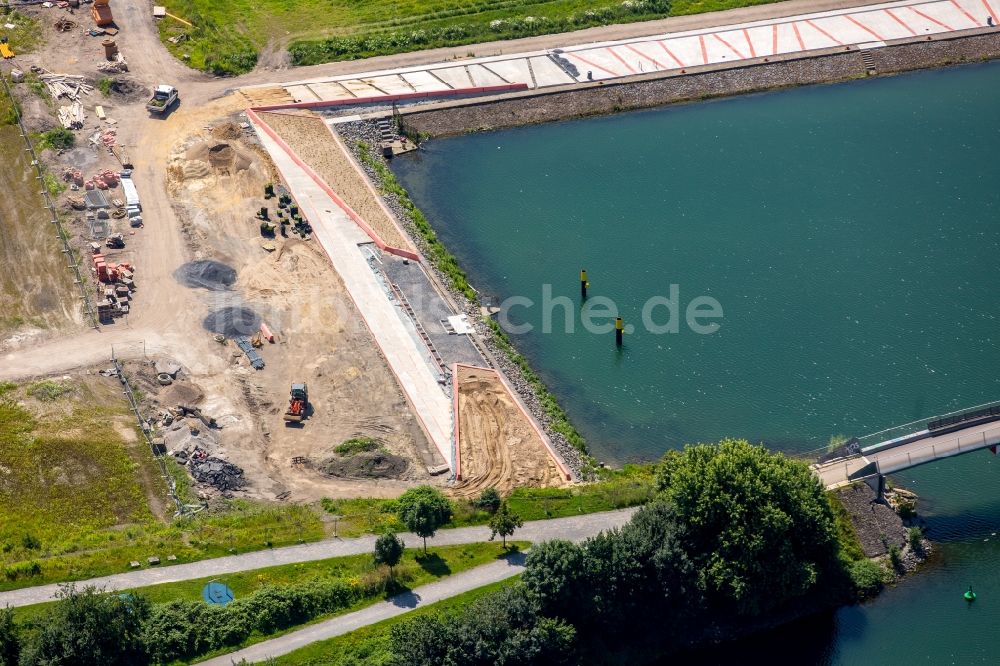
(498, 445)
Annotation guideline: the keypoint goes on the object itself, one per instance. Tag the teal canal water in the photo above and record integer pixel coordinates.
(849, 232)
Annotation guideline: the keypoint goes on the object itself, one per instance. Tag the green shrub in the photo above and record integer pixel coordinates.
(895, 557)
(48, 391)
(867, 577)
(104, 85)
(356, 445)
(915, 536)
(59, 138)
(488, 500)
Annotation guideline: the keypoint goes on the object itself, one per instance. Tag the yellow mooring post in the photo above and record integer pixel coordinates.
(583, 283)
(619, 327)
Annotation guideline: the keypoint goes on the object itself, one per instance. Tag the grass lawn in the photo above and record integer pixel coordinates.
(227, 37)
(370, 645)
(630, 486)
(80, 494)
(413, 571)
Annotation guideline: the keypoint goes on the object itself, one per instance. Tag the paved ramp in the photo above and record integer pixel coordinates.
(863, 28)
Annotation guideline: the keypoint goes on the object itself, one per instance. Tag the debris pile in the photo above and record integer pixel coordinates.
(116, 66)
(216, 472)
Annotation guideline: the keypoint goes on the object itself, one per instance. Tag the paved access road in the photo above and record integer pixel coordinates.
(398, 605)
(575, 528)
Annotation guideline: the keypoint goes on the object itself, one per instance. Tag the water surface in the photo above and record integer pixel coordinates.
(850, 233)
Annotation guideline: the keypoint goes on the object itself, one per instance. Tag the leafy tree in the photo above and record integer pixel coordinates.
(423, 510)
(89, 627)
(555, 572)
(504, 628)
(488, 500)
(389, 550)
(757, 525)
(504, 522)
(10, 638)
(640, 576)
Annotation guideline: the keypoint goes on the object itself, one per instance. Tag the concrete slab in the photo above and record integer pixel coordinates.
(361, 89)
(331, 90)
(547, 73)
(301, 93)
(515, 71)
(454, 77)
(392, 85)
(483, 76)
(424, 81)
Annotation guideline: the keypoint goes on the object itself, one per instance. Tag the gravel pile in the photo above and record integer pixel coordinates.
(206, 274)
(366, 131)
(232, 322)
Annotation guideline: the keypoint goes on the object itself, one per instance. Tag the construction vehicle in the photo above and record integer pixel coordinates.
(297, 403)
(163, 98)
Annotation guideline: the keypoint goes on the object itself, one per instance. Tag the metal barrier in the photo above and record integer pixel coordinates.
(60, 232)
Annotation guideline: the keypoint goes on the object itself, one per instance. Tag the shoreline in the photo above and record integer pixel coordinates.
(442, 119)
(499, 349)
(701, 83)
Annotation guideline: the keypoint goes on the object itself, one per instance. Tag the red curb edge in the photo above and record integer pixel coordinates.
(454, 412)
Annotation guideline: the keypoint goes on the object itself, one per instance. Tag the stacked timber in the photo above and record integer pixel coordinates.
(70, 86)
(72, 116)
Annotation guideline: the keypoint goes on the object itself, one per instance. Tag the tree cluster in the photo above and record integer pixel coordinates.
(91, 627)
(737, 532)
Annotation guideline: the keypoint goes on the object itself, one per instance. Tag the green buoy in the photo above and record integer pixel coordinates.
(970, 595)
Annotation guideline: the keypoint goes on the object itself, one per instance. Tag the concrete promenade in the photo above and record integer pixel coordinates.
(340, 237)
(573, 528)
(838, 473)
(863, 27)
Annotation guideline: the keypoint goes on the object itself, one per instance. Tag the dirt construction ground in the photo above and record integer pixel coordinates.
(216, 180)
(499, 447)
(201, 180)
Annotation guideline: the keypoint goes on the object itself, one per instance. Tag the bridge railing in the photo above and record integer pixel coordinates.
(936, 448)
(898, 431)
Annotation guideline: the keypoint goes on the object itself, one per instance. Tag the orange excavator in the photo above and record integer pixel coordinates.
(297, 403)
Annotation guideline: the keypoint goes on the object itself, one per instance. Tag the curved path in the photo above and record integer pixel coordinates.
(397, 605)
(574, 528)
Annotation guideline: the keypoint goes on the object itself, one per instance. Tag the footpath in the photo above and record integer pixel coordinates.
(574, 528)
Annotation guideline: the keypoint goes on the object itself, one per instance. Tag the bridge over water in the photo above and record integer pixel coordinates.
(942, 437)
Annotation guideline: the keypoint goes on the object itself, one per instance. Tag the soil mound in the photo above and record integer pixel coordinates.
(206, 274)
(227, 131)
(129, 90)
(232, 322)
(221, 155)
(375, 465)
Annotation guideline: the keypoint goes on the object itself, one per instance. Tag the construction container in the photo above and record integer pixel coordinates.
(101, 13)
(110, 49)
(131, 194)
